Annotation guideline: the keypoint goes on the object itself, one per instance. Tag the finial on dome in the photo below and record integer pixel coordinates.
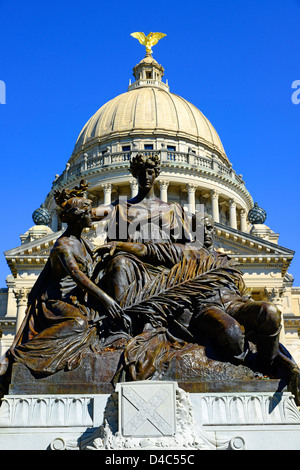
(148, 41)
(148, 72)
(41, 216)
(257, 215)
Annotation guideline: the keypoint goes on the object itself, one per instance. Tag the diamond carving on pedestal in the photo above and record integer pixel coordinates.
(147, 409)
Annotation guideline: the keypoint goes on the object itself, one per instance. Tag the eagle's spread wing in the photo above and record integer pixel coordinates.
(155, 37)
(140, 37)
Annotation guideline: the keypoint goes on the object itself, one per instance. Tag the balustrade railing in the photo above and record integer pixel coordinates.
(120, 157)
(204, 162)
(94, 162)
(177, 157)
(166, 156)
(148, 82)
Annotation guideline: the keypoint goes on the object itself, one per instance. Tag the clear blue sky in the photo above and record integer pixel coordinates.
(235, 60)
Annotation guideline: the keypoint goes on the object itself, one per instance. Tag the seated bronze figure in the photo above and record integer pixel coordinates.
(154, 289)
(64, 304)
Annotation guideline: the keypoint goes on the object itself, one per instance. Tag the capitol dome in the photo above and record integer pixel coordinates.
(148, 119)
(151, 110)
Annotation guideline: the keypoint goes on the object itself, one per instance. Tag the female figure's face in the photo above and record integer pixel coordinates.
(146, 177)
(87, 216)
(78, 212)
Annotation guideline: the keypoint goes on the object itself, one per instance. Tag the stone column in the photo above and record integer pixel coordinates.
(107, 189)
(134, 188)
(21, 296)
(215, 205)
(243, 215)
(232, 214)
(163, 186)
(84, 162)
(191, 196)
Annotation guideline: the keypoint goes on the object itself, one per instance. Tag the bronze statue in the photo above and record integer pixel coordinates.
(155, 287)
(220, 307)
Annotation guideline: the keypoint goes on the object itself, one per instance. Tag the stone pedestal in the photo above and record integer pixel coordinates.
(150, 415)
(201, 404)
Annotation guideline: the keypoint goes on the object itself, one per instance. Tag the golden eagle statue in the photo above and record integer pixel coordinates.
(148, 41)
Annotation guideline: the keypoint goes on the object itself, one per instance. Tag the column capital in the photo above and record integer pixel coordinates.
(107, 187)
(133, 183)
(21, 295)
(134, 186)
(163, 184)
(232, 203)
(273, 294)
(191, 187)
(215, 194)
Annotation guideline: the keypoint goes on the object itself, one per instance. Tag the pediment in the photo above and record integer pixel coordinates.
(242, 243)
(250, 250)
(31, 255)
(41, 246)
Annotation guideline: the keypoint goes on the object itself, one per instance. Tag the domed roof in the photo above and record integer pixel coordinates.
(150, 110)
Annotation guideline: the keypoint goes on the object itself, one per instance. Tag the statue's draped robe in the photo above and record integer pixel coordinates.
(157, 221)
(57, 328)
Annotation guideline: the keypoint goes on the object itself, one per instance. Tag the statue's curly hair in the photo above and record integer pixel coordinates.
(74, 209)
(144, 161)
(61, 197)
(72, 202)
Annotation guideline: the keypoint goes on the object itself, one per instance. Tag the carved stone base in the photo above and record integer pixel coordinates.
(150, 415)
(254, 421)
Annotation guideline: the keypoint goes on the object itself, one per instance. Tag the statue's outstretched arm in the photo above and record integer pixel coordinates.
(100, 212)
(137, 249)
